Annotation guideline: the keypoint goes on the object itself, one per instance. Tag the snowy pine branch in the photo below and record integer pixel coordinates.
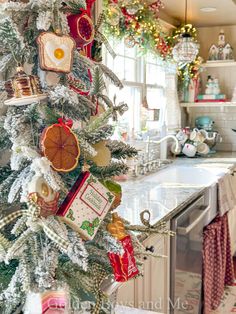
(12, 41)
(114, 169)
(121, 150)
(101, 133)
(98, 84)
(110, 75)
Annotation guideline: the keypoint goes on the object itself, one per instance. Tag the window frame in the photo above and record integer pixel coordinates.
(141, 63)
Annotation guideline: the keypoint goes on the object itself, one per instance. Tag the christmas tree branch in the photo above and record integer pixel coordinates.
(114, 169)
(121, 150)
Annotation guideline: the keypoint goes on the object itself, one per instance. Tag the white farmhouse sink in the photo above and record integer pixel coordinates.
(186, 176)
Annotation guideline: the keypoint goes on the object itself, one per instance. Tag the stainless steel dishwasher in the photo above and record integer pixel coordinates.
(186, 253)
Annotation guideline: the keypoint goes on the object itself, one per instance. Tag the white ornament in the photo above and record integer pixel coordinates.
(39, 185)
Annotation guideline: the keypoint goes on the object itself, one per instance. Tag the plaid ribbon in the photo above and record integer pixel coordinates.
(99, 274)
(33, 212)
(103, 39)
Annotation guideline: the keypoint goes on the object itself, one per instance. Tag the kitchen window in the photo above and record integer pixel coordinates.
(144, 80)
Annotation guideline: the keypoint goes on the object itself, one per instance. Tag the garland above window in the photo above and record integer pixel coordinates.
(136, 21)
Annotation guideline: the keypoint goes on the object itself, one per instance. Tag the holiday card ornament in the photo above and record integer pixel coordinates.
(55, 52)
(81, 29)
(43, 195)
(23, 89)
(86, 205)
(60, 145)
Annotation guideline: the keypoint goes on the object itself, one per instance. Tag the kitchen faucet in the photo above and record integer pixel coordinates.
(165, 138)
(148, 161)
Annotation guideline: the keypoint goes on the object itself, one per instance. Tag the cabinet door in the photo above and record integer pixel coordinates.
(126, 294)
(150, 291)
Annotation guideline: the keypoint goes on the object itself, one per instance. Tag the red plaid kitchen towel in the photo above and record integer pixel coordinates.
(218, 268)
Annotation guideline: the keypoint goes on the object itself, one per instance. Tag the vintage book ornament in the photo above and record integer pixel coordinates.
(43, 195)
(55, 52)
(60, 145)
(81, 29)
(86, 205)
(23, 89)
(124, 266)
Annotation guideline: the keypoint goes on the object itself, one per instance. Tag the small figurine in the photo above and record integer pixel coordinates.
(212, 91)
(209, 86)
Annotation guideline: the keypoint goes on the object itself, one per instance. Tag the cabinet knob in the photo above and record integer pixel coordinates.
(150, 248)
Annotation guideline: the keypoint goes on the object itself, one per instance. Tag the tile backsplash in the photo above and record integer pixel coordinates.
(225, 121)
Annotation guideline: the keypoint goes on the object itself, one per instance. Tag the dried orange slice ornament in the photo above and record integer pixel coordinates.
(60, 145)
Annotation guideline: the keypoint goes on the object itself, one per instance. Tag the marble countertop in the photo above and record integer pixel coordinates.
(164, 202)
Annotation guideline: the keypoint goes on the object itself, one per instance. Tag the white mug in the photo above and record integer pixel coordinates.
(197, 136)
(203, 149)
(181, 137)
(189, 150)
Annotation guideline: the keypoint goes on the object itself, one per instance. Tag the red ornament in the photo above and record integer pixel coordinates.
(124, 266)
(81, 29)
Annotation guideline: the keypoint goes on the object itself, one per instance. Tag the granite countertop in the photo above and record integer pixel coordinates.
(165, 201)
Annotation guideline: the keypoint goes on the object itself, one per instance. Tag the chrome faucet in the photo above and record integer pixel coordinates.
(165, 138)
(149, 160)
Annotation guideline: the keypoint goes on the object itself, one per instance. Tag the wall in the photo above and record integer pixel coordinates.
(225, 118)
(209, 35)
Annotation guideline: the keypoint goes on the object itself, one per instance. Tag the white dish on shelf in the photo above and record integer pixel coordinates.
(26, 100)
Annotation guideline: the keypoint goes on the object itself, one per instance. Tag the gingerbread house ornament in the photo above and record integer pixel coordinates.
(222, 51)
(56, 52)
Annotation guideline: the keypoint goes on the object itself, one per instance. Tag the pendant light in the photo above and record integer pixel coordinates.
(186, 50)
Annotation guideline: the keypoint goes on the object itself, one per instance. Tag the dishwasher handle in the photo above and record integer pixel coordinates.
(203, 210)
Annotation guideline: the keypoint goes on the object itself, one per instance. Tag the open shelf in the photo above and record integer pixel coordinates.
(217, 64)
(207, 104)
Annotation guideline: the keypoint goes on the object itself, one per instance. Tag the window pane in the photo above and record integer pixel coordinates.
(110, 62)
(130, 70)
(119, 67)
(155, 98)
(129, 122)
(119, 48)
(130, 52)
(155, 74)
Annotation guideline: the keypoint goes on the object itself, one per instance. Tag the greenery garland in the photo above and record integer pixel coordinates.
(137, 23)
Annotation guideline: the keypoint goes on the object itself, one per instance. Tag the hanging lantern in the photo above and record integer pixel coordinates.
(186, 49)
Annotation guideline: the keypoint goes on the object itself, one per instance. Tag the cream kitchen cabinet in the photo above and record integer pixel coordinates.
(151, 291)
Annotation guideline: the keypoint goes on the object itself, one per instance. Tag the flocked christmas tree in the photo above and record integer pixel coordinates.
(60, 238)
